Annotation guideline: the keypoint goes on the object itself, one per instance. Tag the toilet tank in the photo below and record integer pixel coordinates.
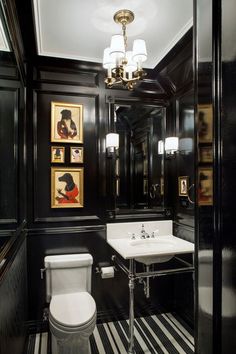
(67, 273)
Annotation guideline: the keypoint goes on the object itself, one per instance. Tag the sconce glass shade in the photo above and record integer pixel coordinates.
(186, 145)
(112, 140)
(108, 62)
(171, 144)
(117, 47)
(139, 51)
(160, 147)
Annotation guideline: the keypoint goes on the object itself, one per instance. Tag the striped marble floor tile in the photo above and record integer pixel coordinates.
(159, 334)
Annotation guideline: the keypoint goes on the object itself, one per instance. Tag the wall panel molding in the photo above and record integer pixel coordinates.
(65, 230)
(68, 77)
(91, 132)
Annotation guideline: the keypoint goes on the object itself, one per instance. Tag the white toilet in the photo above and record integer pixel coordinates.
(72, 310)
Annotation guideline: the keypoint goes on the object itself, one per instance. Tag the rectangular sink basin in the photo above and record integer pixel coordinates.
(149, 250)
(145, 245)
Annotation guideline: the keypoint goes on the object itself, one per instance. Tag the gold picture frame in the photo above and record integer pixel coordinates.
(76, 154)
(205, 123)
(183, 186)
(67, 187)
(205, 154)
(66, 122)
(57, 154)
(205, 186)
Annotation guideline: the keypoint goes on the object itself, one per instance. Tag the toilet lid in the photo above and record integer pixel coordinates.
(73, 309)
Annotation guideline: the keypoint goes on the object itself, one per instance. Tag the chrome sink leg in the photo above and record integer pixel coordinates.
(131, 306)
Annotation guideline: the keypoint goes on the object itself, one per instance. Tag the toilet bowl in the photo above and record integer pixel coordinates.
(72, 310)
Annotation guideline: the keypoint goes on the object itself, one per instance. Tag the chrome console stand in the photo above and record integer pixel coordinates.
(132, 276)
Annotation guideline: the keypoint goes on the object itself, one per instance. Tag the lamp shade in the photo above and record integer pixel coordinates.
(108, 62)
(171, 144)
(117, 47)
(160, 147)
(112, 140)
(131, 66)
(186, 145)
(139, 50)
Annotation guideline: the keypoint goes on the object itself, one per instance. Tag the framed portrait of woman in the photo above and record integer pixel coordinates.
(66, 122)
(67, 187)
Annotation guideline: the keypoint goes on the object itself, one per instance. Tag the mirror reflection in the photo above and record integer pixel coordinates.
(139, 167)
(7, 148)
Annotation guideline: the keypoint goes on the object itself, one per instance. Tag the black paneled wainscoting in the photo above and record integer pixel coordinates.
(161, 334)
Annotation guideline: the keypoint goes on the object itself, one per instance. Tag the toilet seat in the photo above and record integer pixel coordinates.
(73, 311)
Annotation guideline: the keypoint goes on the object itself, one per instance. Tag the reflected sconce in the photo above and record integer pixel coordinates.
(160, 147)
(185, 146)
(171, 146)
(112, 143)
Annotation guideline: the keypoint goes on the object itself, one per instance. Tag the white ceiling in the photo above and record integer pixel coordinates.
(81, 29)
(3, 40)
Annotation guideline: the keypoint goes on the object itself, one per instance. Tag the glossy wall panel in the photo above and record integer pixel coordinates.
(204, 213)
(13, 304)
(216, 230)
(228, 148)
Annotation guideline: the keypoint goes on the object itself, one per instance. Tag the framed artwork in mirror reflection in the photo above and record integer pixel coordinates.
(183, 186)
(205, 186)
(205, 154)
(205, 123)
(67, 187)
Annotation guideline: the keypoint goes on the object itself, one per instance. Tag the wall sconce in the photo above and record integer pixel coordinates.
(112, 143)
(160, 147)
(171, 146)
(185, 146)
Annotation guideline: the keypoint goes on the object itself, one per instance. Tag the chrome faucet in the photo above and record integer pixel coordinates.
(144, 234)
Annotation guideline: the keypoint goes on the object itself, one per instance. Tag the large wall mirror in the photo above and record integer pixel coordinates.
(11, 142)
(139, 162)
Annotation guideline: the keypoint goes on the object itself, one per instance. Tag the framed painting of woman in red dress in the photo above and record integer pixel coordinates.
(67, 187)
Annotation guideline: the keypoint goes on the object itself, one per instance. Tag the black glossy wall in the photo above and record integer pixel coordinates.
(13, 253)
(215, 79)
(54, 231)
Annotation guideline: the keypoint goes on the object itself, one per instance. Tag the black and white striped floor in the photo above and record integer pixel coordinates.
(159, 334)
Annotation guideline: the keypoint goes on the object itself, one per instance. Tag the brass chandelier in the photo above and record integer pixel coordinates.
(124, 67)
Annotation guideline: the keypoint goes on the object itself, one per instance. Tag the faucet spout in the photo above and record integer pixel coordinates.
(144, 234)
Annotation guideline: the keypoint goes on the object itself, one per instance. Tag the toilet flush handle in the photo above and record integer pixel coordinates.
(42, 270)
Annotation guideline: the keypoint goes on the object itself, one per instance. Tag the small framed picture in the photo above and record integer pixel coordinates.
(67, 187)
(162, 185)
(66, 122)
(57, 154)
(77, 154)
(183, 186)
(205, 154)
(205, 123)
(205, 187)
